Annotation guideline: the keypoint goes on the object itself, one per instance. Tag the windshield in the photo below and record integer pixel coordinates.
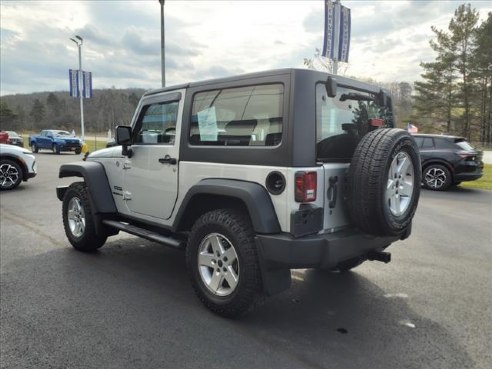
(12, 134)
(62, 133)
(342, 120)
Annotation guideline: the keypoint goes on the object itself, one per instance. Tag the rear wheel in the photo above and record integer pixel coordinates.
(384, 182)
(10, 174)
(437, 177)
(223, 264)
(78, 221)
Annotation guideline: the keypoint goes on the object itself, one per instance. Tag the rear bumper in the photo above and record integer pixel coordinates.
(281, 252)
(468, 172)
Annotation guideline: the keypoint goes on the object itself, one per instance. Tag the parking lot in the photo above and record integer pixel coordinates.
(130, 305)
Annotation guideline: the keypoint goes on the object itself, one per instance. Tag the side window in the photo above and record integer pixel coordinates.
(157, 124)
(419, 141)
(428, 143)
(443, 143)
(243, 116)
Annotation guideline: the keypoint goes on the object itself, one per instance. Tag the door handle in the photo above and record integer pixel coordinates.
(168, 160)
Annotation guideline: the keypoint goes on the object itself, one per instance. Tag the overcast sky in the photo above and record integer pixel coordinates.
(206, 39)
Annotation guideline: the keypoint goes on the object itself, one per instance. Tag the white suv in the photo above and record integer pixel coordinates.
(16, 165)
(254, 175)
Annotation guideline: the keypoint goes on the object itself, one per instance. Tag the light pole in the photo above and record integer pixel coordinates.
(163, 45)
(79, 41)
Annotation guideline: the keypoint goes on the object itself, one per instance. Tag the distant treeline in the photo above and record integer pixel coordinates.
(57, 110)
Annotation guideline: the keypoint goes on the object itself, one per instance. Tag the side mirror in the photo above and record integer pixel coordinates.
(124, 138)
(331, 86)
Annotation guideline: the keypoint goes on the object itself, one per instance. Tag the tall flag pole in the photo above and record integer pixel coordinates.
(336, 43)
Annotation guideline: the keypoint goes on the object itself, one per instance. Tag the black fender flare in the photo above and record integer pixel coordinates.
(253, 195)
(96, 180)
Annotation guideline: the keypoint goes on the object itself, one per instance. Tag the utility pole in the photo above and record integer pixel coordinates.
(163, 45)
(79, 41)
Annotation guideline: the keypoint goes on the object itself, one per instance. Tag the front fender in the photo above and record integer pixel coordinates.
(97, 183)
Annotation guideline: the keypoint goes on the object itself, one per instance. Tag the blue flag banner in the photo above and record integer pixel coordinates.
(87, 84)
(328, 44)
(73, 77)
(344, 40)
(336, 43)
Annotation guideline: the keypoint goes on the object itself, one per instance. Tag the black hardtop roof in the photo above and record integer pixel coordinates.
(343, 81)
(435, 135)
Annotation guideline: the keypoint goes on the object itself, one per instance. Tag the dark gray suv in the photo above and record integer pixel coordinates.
(447, 161)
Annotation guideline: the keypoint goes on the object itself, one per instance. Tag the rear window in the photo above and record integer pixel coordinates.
(463, 144)
(242, 116)
(341, 121)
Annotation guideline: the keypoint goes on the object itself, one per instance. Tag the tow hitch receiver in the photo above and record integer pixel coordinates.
(383, 256)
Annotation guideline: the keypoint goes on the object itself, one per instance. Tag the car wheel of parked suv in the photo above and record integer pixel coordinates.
(10, 174)
(223, 264)
(34, 148)
(437, 177)
(384, 181)
(78, 220)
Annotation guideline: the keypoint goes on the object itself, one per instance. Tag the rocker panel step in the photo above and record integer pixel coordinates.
(144, 233)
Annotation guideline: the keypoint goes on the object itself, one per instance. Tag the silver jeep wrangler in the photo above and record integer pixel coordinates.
(253, 176)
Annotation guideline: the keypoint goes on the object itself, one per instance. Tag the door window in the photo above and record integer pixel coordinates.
(157, 124)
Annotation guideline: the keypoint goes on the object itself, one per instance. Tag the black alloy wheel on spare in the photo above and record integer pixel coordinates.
(384, 182)
(222, 263)
(437, 177)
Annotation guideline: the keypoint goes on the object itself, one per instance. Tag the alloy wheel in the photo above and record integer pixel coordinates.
(9, 175)
(435, 178)
(399, 189)
(218, 264)
(76, 217)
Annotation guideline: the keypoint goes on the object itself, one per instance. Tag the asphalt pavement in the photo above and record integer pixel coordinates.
(130, 305)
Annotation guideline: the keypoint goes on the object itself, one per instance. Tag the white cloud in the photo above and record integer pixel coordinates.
(205, 39)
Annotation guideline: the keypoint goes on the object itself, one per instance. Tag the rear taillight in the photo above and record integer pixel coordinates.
(467, 156)
(306, 184)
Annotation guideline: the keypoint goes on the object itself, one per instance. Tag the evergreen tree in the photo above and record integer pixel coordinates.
(482, 73)
(7, 117)
(447, 86)
(37, 113)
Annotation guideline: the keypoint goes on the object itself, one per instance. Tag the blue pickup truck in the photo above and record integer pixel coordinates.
(56, 141)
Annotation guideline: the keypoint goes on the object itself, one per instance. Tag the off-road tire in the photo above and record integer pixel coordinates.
(10, 174)
(34, 147)
(368, 182)
(78, 197)
(236, 228)
(437, 177)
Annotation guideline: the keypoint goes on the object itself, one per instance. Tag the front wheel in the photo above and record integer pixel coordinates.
(34, 147)
(78, 221)
(10, 174)
(223, 264)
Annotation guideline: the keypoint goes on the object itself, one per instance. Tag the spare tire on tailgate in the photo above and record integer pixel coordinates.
(384, 182)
